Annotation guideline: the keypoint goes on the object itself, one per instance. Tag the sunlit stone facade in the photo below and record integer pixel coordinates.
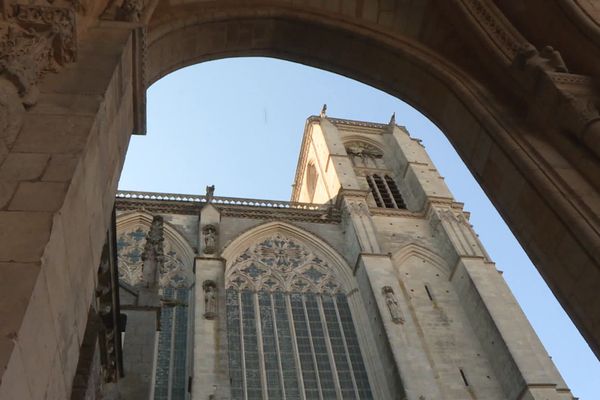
(369, 284)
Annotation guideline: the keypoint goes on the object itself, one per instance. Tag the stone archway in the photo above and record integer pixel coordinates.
(525, 126)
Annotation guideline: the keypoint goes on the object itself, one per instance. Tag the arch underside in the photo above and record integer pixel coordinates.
(470, 106)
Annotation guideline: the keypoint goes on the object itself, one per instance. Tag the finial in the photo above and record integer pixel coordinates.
(393, 119)
(324, 111)
(210, 191)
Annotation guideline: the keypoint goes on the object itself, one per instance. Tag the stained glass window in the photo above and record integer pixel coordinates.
(290, 330)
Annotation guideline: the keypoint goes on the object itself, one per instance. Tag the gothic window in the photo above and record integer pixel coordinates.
(290, 331)
(385, 192)
(172, 362)
(311, 181)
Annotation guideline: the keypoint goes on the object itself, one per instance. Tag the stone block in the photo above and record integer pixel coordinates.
(55, 272)
(23, 235)
(7, 190)
(23, 166)
(60, 168)
(14, 384)
(37, 340)
(17, 281)
(67, 104)
(38, 196)
(43, 133)
(56, 385)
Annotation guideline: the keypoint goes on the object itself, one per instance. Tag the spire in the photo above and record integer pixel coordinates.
(153, 255)
(324, 111)
(393, 120)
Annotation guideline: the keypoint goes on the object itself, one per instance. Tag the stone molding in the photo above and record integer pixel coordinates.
(331, 215)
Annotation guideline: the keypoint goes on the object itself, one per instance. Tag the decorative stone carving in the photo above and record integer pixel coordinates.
(392, 305)
(548, 59)
(580, 115)
(487, 17)
(130, 10)
(131, 244)
(210, 193)
(356, 207)
(11, 113)
(153, 255)
(281, 263)
(362, 149)
(124, 10)
(37, 40)
(209, 233)
(210, 299)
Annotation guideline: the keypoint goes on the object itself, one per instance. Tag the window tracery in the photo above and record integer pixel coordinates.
(174, 281)
(290, 330)
(281, 263)
(130, 246)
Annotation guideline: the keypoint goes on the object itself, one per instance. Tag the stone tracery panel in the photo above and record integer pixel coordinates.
(279, 263)
(130, 246)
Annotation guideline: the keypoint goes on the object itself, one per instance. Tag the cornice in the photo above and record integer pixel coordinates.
(326, 214)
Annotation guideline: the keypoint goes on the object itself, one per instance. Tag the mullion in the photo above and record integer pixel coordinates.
(305, 352)
(269, 354)
(338, 348)
(375, 191)
(286, 347)
(320, 347)
(395, 192)
(253, 374)
(360, 374)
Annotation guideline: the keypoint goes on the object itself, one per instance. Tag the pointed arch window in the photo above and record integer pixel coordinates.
(290, 330)
(385, 192)
(173, 361)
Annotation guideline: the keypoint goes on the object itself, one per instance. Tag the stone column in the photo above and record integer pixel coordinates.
(208, 319)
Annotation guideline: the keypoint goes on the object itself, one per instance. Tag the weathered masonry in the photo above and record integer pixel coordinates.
(514, 88)
(377, 288)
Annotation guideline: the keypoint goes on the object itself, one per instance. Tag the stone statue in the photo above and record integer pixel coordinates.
(392, 304)
(209, 233)
(210, 192)
(210, 299)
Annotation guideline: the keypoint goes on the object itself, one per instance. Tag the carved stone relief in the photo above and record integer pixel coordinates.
(130, 247)
(33, 41)
(209, 234)
(210, 299)
(124, 10)
(392, 305)
(364, 155)
(281, 263)
(356, 207)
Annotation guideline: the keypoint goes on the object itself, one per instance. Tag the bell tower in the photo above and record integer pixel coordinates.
(446, 323)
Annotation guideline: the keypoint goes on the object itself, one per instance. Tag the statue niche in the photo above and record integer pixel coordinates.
(209, 232)
(392, 305)
(210, 299)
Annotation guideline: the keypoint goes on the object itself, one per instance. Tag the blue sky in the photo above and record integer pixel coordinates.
(237, 124)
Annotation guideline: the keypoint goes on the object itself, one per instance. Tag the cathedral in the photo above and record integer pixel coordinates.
(369, 283)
